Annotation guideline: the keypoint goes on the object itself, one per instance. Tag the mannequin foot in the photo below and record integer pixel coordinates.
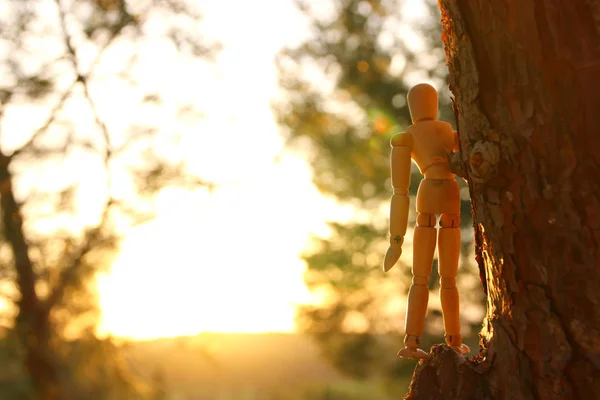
(456, 343)
(411, 348)
(413, 352)
(462, 349)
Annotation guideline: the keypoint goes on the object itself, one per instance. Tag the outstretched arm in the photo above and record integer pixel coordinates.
(400, 168)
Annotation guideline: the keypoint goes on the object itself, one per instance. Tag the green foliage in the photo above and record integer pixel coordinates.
(344, 97)
(91, 368)
(358, 103)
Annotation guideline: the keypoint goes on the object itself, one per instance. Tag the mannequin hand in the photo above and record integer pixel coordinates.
(392, 256)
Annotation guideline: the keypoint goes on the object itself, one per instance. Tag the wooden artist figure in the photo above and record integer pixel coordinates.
(427, 142)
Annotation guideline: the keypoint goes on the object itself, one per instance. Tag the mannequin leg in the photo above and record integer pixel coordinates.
(448, 253)
(418, 295)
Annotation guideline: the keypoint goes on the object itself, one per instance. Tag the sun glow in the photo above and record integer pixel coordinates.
(226, 261)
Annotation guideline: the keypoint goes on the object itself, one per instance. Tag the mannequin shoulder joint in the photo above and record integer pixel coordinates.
(402, 139)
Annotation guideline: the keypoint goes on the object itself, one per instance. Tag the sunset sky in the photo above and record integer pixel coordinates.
(226, 261)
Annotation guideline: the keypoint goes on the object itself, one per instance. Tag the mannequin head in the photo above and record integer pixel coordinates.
(423, 103)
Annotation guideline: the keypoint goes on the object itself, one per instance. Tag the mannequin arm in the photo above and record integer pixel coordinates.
(400, 169)
(455, 160)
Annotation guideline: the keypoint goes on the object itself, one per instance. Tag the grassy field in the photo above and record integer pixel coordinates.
(244, 367)
(212, 367)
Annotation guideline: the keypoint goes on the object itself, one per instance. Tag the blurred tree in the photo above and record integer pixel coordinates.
(526, 80)
(344, 97)
(80, 160)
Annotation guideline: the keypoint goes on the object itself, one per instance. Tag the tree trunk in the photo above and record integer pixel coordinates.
(526, 79)
(33, 320)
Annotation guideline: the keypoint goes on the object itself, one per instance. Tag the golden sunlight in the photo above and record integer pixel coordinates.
(225, 261)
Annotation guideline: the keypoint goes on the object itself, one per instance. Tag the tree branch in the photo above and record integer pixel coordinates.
(13, 231)
(51, 118)
(84, 81)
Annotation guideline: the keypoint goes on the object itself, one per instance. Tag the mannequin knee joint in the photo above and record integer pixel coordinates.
(426, 220)
(450, 220)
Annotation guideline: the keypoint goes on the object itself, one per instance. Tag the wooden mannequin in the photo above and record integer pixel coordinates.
(427, 142)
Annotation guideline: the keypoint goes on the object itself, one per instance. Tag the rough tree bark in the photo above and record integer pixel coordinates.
(526, 79)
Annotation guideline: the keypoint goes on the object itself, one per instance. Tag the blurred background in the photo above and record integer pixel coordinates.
(195, 198)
